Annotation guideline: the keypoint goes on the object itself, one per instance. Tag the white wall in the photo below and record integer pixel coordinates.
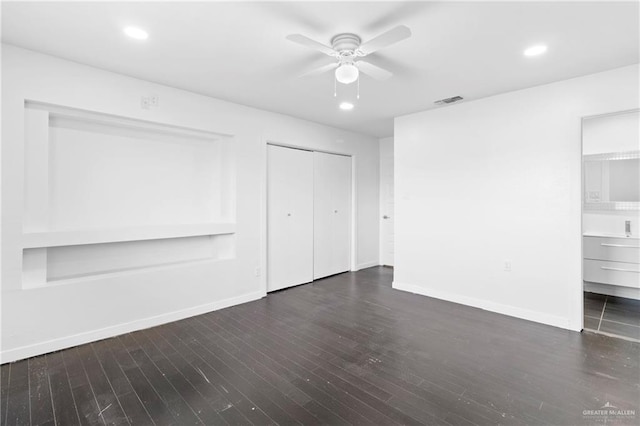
(495, 180)
(39, 320)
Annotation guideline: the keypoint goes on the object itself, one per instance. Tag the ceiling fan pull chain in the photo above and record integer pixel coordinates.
(335, 86)
(358, 91)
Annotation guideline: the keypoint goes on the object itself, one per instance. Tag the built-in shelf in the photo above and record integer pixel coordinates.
(110, 196)
(113, 235)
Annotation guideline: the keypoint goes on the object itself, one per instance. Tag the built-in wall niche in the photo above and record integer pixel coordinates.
(72, 263)
(91, 171)
(109, 194)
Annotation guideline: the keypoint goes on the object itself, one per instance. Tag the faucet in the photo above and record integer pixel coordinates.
(627, 228)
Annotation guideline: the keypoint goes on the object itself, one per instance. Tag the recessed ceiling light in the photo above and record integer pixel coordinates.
(347, 106)
(135, 32)
(536, 50)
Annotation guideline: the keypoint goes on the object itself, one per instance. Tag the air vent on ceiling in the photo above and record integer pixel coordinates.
(448, 100)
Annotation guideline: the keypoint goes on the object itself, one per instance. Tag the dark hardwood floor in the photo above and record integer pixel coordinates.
(344, 350)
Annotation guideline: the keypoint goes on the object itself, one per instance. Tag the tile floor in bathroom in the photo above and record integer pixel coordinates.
(611, 315)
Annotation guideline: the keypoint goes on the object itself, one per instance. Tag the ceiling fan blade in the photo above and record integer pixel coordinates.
(320, 70)
(307, 42)
(373, 71)
(386, 39)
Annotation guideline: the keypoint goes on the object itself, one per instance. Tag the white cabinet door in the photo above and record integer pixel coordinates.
(289, 217)
(332, 214)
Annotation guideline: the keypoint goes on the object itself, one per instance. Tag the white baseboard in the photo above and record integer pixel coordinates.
(365, 265)
(48, 346)
(487, 305)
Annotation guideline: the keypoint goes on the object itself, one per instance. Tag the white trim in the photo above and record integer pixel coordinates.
(97, 117)
(609, 114)
(264, 220)
(511, 311)
(365, 265)
(576, 300)
(306, 148)
(353, 254)
(124, 234)
(116, 330)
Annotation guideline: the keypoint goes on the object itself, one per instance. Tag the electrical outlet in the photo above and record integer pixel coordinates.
(507, 266)
(258, 272)
(148, 102)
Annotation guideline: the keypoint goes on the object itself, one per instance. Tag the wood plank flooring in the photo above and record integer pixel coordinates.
(344, 350)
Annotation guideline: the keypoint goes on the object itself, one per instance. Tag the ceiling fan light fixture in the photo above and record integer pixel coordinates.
(347, 73)
(346, 106)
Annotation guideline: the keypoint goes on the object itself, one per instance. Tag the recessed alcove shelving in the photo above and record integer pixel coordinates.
(105, 194)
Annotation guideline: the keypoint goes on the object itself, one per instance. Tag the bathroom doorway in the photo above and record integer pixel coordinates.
(611, 224)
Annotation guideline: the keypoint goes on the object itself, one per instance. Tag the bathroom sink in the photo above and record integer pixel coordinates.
(604, 235)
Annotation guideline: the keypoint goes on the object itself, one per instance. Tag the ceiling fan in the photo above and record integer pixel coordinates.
(346, 48)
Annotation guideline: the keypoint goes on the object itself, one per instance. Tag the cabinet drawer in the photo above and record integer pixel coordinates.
(612, 249)
(616, 273)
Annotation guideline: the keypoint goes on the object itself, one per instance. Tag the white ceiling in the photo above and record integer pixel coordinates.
(238, 52)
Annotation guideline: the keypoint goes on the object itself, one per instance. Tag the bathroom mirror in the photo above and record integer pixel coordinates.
(611, 161)
(612, 181)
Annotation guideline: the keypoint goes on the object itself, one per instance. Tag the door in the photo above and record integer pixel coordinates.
(386, 202)
(332, 214)
(289, 217)
(388, 243)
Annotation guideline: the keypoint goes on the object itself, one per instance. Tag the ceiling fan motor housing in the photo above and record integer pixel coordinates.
(346, 44)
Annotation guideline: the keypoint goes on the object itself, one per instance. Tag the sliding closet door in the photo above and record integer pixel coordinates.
(289, 217)
(341, 242)
(332, 214)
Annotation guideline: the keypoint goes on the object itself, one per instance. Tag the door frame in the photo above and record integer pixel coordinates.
(582, 120)
(353, 227)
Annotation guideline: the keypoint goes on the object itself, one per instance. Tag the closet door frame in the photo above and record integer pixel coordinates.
(262, 271)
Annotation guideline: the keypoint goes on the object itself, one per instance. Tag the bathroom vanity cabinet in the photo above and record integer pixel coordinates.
(612, 260)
